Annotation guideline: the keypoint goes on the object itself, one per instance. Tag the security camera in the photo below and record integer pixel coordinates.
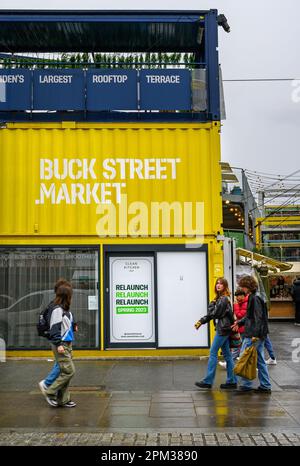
(222, 21)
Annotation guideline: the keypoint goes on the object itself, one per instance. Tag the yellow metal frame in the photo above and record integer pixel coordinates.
(261, 258)
(113, 354)
(95, 125)
(271, 221)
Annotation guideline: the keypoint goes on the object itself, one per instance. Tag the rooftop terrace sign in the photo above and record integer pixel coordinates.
(111, 89)
(95, 90)
(15, 89)
(165, 89)
(58, 90)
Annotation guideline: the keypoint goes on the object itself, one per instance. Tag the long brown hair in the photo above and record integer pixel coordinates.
(60, 282)
(64, 297)
(225, 292)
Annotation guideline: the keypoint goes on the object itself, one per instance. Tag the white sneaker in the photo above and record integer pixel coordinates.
(70, 404)
(43, 387)
(297, 325)
(271, 362)
(51, 402)
(223, 364)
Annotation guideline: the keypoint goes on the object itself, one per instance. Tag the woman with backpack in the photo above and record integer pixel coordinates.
(44, 327)
(219, 310)
(61, 337)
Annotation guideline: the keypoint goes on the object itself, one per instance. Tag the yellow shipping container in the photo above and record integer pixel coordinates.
(53, 176)
(149, 188)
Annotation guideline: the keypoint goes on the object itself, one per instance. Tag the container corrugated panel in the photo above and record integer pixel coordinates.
(53, 177)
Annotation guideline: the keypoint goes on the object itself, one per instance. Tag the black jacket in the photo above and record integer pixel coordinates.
(221, 311)
(256, 319)
(296, 291)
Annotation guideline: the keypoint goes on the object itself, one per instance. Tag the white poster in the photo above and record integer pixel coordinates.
(132, 300)
(182, 299)
(92, 303)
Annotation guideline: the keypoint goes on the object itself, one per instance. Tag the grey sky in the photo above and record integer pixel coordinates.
(263, 122)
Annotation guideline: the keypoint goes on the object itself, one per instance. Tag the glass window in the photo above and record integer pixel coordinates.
(27, 303)
(27, 279)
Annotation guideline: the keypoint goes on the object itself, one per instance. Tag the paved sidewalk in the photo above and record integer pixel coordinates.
(143, 402)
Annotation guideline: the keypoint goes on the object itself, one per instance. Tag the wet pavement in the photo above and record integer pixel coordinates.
(153, 401)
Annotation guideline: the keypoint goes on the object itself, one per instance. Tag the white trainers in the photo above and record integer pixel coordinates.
(51, 402)
(223, 364)
(271, 362)
(70, 404)
(43, 387)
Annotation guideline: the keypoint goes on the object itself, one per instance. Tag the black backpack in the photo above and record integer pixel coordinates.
(43, 325)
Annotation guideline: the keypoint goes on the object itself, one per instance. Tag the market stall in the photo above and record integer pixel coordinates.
(277, 279)
(282, 305)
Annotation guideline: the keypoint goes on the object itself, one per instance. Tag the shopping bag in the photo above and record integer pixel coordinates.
(246, 366)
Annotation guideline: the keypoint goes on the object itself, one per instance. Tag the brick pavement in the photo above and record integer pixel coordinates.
(149, 439)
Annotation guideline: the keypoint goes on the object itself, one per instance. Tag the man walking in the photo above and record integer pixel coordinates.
(256, 331)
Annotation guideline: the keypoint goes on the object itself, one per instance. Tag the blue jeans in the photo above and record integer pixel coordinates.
(269, 347)
(223, 343)
(263, 374)
(52, 376)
